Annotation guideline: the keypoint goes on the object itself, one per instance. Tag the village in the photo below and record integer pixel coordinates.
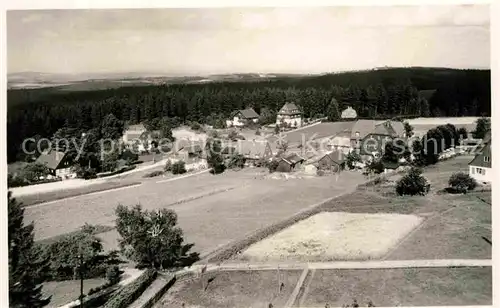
(250, 157)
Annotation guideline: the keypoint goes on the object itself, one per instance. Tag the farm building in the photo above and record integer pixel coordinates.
(289, 162)
(289, 114)
(332, 161)
(252, 150)
(240, 118)
(480, 166)
(188, 149)
(58, 164)
(133, 133)
(349, 113)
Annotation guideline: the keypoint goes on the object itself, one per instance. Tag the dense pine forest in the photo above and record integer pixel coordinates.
(373, 94)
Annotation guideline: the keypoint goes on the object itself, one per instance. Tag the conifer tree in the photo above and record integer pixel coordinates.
(28, 268)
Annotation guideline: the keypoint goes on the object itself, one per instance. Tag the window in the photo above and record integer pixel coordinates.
(473, 170)
(486, 159)
(481, 171)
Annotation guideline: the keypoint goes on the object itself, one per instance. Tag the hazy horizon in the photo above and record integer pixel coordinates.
(184, 42)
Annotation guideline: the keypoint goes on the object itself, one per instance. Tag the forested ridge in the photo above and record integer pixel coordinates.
(375, 93)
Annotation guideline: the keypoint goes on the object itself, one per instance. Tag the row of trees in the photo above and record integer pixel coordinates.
(384, 93)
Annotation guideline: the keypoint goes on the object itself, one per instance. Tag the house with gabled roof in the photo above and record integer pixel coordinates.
(287, 163)
(240, 118)
(252, 150)
(480, 166)
(331, 161)
(290, 115)
(58, 164)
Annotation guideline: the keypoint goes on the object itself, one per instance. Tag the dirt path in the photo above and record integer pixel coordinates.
(352, 265)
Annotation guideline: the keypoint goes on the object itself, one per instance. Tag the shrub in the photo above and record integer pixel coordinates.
(461, 182)
(179, 167)
(168, 166)
(236, 161)
(129, 293)
(153, 174)
(113, 275)
(272, 166)
(195, 126)
(412, 184)
(85, 173)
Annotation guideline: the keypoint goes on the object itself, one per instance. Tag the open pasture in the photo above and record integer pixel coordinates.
(400, 287)
(213, 210)
(249, 289)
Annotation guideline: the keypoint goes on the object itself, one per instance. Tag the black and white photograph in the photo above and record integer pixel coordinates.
(249, 156)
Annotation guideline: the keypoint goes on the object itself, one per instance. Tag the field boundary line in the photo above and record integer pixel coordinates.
(82, 195)
(302, 298)
(409, 235)
(298, 286)
(182, 176)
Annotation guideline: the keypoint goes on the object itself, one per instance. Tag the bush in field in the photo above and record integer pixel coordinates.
(153, 174)
(412, 183)
(152, 238)
(461, 182)
(374, 167)
(236, 161)
(272, 165)
(179, 167)
(168, 166)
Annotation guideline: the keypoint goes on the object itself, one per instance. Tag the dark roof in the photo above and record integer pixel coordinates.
(248, 148)
(248, 113)
(363, 127)
(292, 158)
(52, 159)
(289, 108)
(479, 161)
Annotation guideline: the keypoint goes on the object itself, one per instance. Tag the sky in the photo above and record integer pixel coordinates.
(238, 40)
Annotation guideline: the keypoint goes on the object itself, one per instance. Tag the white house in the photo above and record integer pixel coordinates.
(480, 166)
(240, 118)
(289, 114)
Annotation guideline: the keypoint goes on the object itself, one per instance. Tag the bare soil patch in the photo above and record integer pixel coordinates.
(335, 236)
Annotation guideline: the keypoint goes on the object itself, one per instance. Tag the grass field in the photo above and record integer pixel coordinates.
(64, 292)
(208, 220)
(28, 200)
(453, 225)
(249, 289)
(404, 287)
